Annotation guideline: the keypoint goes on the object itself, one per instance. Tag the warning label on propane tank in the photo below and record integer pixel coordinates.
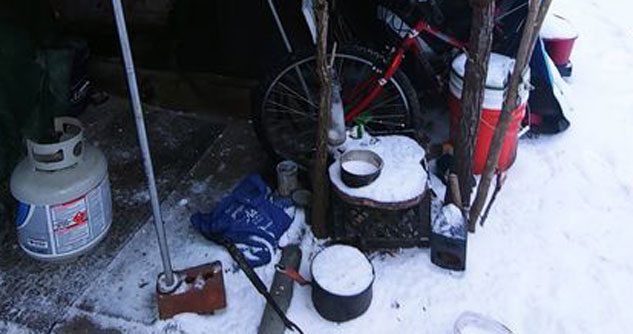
(70, 225)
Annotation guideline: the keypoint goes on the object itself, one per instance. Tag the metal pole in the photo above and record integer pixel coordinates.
(142, 138)
(286, 41)
(280, 26)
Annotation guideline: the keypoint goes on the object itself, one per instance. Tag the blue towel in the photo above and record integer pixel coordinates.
(251, 217)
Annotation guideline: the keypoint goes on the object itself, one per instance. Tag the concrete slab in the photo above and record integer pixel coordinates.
(123, 298)
(36, 294)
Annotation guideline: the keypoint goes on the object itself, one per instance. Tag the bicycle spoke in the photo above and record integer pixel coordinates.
(383, 123)
(293, 92)
(290, 97)
(304, 86)
(387, 116)
(304, 117)
(291, 110)
(382, 103)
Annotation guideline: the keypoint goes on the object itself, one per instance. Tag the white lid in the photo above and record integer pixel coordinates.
(557, 27)
(499, 69)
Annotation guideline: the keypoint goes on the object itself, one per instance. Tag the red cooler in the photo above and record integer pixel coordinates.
(499, 70)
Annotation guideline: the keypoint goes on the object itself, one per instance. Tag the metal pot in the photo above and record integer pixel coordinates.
(355, 180)
(332, 306)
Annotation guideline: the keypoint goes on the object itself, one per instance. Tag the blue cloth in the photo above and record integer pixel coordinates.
(250, 217)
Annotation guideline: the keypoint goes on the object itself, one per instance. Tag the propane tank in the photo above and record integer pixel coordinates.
(63, 190)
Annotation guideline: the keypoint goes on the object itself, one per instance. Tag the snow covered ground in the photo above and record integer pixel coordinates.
(554, 256)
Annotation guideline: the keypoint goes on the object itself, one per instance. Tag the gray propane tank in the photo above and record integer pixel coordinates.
(65, 205)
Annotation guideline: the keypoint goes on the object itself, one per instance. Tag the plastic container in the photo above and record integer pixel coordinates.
(499, 71)
(65, 205)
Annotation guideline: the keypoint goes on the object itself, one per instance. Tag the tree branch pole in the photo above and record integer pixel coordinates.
(473, 94)
(320, 182)
(533, 23)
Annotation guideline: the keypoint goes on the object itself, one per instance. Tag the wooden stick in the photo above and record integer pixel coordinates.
(456, 195)
(534, 20)
(501, 178)
(320, 181)
(472, 98)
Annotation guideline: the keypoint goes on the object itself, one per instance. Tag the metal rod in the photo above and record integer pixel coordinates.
(280, 26)
(142, 138)
(284, 37)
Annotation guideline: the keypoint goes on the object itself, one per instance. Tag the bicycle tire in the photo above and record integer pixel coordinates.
(261, 116)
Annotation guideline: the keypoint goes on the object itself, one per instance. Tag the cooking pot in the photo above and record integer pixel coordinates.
(353, 295)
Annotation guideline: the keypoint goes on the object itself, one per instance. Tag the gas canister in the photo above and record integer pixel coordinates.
(63, 190)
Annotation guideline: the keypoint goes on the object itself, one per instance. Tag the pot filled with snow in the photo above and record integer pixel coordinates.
(342, 281)
(360, 167)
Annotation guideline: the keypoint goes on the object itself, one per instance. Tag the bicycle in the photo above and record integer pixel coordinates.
(374, 88)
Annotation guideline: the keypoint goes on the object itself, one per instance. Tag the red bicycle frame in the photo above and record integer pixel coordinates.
(421, 26)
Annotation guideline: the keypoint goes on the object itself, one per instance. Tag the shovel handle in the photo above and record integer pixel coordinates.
(255, 280)
(456, 195)
(292, 274)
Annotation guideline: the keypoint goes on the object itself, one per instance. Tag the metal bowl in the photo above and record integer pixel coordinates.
(355, 178)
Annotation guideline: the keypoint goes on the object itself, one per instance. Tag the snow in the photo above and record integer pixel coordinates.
(358, 167)
(402, 178)
(474, 323)
(557, 27)
(342, 270)
(555, 253)
(450, 223)
(499, 69)
(553, 257)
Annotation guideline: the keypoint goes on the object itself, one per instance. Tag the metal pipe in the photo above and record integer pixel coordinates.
(142, 138)
(284, 37)
(280, 26)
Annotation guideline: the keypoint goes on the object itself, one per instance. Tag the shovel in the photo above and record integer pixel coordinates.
(199, 289)
(255, 280)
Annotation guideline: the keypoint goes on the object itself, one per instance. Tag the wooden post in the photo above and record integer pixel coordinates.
(473, 93)
(320, 181)
(533, 22)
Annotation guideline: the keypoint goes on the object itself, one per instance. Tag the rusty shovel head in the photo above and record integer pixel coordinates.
(201, 291)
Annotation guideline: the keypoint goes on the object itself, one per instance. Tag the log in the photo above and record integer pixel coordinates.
(320, 181)
(473, 94)
(533, 23)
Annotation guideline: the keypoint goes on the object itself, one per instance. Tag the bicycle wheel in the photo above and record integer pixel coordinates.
(285, 111)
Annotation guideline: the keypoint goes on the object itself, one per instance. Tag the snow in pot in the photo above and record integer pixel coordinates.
(342, 281)
(342, 270)
(359, 167)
